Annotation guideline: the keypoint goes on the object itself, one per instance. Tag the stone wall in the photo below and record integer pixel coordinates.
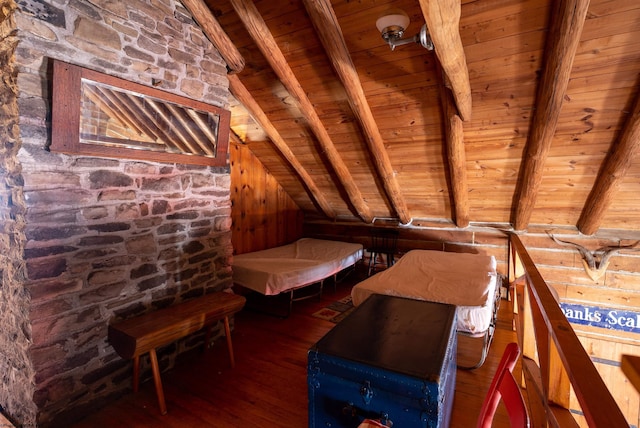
(16, 370)
(104, 238)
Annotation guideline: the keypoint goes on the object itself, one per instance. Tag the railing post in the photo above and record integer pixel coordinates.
(559, 383)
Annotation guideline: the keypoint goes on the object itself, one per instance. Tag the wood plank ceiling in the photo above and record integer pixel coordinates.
(525, 113)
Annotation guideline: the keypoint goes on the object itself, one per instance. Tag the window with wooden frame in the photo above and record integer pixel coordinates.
(100, 115)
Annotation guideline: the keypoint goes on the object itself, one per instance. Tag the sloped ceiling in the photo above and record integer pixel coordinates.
(353, 130)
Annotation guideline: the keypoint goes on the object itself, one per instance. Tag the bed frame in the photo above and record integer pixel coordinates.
(469, 281)
(487, 335)
(292, 267)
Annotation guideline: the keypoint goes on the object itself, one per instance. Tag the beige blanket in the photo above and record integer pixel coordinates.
(287, 267)
(465, 280)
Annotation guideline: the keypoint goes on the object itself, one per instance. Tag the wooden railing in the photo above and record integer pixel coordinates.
(554, 361)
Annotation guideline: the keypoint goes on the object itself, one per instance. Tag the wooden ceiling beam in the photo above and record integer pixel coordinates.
(328, 29)
(567, 21)
(616, 166)
(214, 32)
(263, 38)
(456, 156)
(242, 95)
(443, 21)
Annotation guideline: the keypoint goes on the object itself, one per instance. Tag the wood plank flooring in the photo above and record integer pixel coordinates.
(268, 386)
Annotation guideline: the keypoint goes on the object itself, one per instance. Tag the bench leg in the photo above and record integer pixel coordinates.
(158, 382)
(227, 332)
(207, 337)
(136, 372)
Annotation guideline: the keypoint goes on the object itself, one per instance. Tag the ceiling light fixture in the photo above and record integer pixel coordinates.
(393, 25)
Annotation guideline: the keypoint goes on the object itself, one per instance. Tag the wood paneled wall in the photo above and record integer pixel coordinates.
(483, 240)
(262, 214)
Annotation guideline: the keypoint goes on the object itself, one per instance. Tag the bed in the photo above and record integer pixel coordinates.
(293, 266)
(469, 281)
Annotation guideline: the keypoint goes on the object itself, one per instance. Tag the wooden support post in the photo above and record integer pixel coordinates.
(136, 373)
(157, 381)
(227, 332)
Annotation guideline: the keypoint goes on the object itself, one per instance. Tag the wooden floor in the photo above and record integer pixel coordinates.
(268, 387)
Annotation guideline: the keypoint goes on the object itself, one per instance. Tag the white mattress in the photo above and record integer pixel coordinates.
(465, 280)
(295, 265)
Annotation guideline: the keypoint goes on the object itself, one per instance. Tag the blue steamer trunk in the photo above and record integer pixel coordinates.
(392, 359)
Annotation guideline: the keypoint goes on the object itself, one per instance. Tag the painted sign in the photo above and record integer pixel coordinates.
(613, 319)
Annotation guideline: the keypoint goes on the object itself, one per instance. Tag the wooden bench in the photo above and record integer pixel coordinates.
(136, 336)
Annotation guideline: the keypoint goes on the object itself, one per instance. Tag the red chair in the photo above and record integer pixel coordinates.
(504, 386)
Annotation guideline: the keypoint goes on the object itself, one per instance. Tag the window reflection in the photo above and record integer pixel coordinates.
(118, 117)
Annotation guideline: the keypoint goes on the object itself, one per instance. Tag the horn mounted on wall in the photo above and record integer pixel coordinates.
(595, 262)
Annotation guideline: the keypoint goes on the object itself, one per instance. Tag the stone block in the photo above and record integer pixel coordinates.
(193, 88)
(35, 27)
(162, 185)
(44, 12)
(117, 195)
(103, 240)
(193, 247)
(95, 213)
(144, 244)
(48, 307)
(104, 178)
(96, 33)
(45, 355)
(147, 223)
(127, 211)
(61, 216)
(81, 359)
(95, 253)
(143, 270)
(49, 290)
(146, 43)
(205, 256)
(50, 330)
(140, 168)
(184, 215)
(199, 232)
(46, 268)
(110, 227)
(103, 277)
(164, 240)
(138, 54)
(115, 7)
(171, 228)
(32, 253)
(152, 282)
(103, 293)
(57, 197)
(90, 162)
(124, 260)
(192, 203)
(160, 207)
